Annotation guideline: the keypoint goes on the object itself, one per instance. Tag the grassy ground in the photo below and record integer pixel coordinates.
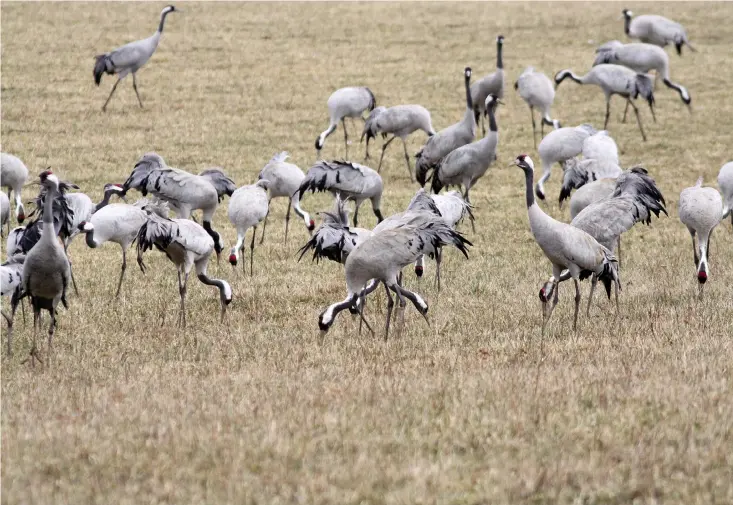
(476, 408)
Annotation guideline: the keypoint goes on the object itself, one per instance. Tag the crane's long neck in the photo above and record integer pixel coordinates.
(580, 79)
(469, 101)
(104, 202)
(225, 292)
(162, 21)
(49, 231)
(627, 24)
(492, 119)
(529, 181)
(499, 61)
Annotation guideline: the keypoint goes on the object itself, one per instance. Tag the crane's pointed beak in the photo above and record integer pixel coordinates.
(427, 320)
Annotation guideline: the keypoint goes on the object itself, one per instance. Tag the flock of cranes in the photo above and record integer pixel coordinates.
(606, 200)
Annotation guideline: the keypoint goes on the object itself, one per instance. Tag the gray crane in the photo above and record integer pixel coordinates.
(13, 175)
(46, 271)
(284, 180)
(700, 209)
(492, 84)
(634, 199)
(657, 30)
(383, 255)
(616, 80)
(183, 191)
(578, 173)
(448, 139)
(559, 146)
(129, 58)
(345, 102)
(642, 58)
(119, 223)
(600, 146)
(400, 121)
(348, 180)
(725, 182)
(248, 207)
(467, 164)
(536, 90)
(188, 245)
(566, 247)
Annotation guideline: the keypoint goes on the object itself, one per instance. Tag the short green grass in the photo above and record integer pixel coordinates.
(475, 408)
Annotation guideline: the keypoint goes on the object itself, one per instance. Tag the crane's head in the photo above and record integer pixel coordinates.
(48, 179)
(233, 256)
(500, 40)
(467, 72)
(492, 101)
(627, 14)
(170, 8)
(309, 223)
(86, 227)
(524, 162)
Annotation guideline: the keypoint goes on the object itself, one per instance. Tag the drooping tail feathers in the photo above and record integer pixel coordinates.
(370, 126)
(645, 88)
(140, 174)
(437, 233)
(423, 167)
(102, 64)
(156, 231)
(333, 240)
(223, 184)
(372, 100)
(609, 274)
(422, 201)
(637, 181)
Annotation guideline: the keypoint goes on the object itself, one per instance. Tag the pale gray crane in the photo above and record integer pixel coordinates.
(183, 191)
(11, 278)
(119, 223)
(13, 175)
(566, 247)
(725, 182)
(399, 121)
(591, 193)
(345, 102)
(348, 180)
(559, 146)
(642, 58)
(468, 163)
(536, 90)
(634, 199)
(129, 58)
(188, 245)
(492, 84)
(334, 239)
(657, 30)
(248, 207)
(700, 209)
(4, 212)
(448, 139)
(383, 255)
(578, 173)
(616, 80)
(46, 271)
(600, 146)
(284, 180)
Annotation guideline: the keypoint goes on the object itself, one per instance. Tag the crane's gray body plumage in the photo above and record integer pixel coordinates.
(700, 209)
(128, 59)
(188, 245)
(600, 146)
(448, 139)
(578, 173)
(13, 175)
(657, 30)
(558, 146)
(725, 183)
(284, 181)
(492, 84)
(4, 212)
(248, 207)
(615, 80)
(591, 193)
(346, 102)
(348, 180)
(400, 121)
(642, 58)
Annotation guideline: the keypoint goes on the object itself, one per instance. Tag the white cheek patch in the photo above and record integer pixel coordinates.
(327, 316)
(88, 227)
(421, 302)
(227, 290)
(685, 94)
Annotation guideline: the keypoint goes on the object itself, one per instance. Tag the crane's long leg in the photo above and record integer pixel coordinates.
(264, 224)
(71, 269)
(252, 252)
(122, 271)
(577, 303)
(694, 247)
(346, 137)
(534, 127)
(390, 306)
(593, 282)
(548, 309)
(638, 119)
(51, 330)
(182, 291)
(134, 86)
(608, 112)
(468, 201)
(438, 258)
(618, 250)
(287, 222)
(400, 314)
(626, 110)
(407, 160)
(104, 107)
(384, 149)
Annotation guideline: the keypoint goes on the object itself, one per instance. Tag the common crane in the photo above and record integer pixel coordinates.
(345, 102)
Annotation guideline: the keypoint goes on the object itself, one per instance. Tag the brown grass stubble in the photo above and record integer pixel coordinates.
(630, 408)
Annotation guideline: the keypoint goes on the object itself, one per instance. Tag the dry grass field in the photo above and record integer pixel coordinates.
(475, 408)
